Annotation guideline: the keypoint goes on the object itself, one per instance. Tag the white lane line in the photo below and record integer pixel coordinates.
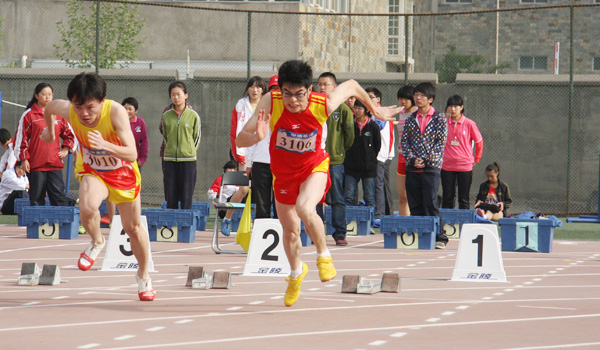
(61, 297)
(233, 308)
(365, 330)
(433, 319)
(374, 275)
(397, 335)
(537, 279)
(124, 337)
(332, 285)
(462, 307)
(528, 282)
(561, 346)
(184, 321)
(154, 329)
(159, 281)
(258, 302)
(313, 289)
(547, 307)
(31, 303)
(377, 342)
(323, 299)
(88, 346)
(498, 294)
(487, 298)
(552, 272)
(559, 268)
(181, 277)
(277, 297)
(411, 265)
(447, 313)
(508, 290)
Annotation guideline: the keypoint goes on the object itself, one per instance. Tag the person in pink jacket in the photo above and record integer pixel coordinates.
(457, 166)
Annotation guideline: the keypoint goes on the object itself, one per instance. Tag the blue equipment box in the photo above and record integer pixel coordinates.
(202, 213)
(409, 232)
(21, 203)
(51, 222)
(453, 219)
(361, 215)
(171, 225)
(527, 235)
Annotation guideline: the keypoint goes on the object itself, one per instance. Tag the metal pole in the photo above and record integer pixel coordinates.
(249, 58)
(97, 36)
(571, 96)
(406, 19)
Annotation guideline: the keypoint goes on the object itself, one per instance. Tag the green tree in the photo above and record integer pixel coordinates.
(119, 40)
(453, 63)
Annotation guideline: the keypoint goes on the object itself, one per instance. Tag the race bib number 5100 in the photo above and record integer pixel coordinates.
(100, 160)
(296, 142)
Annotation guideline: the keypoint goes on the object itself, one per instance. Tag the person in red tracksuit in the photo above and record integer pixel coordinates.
(43, 162)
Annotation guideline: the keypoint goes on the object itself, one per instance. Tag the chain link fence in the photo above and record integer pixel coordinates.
(542, 128)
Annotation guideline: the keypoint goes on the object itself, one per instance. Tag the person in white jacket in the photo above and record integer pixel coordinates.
(14, 185)
(244, 108)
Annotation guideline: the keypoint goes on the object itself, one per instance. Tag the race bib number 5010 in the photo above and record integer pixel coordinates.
(296, 142)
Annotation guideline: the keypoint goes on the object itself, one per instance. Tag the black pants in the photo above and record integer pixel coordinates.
(449, 181)
(421, 192)
(262, 190)
(51, 183)
(179, 180)
(8, 207)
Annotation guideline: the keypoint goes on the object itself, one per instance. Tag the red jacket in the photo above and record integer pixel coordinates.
(42, 156)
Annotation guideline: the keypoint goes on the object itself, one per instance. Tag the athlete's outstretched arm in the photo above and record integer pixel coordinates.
(351, 88)
(54, 108)
(250, 133)
(120, 122)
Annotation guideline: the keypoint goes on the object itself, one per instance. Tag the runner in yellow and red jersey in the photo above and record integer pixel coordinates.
(299, 162)
(106, 167)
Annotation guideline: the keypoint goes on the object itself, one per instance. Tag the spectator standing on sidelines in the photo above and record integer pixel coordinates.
(457, 167)
(44, 162)
(423, 142)
(181, 129)
(383, 191)
(258, 168)
(361, 159)
(340, 137)
(255, 89)
(405, 99)
(106, 167)
(299, 161)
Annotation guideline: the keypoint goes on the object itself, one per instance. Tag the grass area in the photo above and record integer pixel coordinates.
(569, 231)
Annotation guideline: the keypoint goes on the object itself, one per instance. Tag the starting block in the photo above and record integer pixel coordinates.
(200, 279)
(50, 275)
(30, 275)
(390, 283)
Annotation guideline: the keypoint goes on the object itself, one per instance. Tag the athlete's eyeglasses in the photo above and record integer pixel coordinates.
(298, 95)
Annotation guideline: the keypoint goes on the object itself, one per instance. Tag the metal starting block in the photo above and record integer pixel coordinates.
(30, 275)
(50, 275)
(200, 280)
(390, 282)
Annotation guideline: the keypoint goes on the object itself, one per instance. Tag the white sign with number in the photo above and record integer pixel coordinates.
(119, 256)
(266, 255)
(479, 258)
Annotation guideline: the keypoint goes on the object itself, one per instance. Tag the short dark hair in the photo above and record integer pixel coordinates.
(178, 84)
(328, 75)
(357, 103)
(295, 73)
(456, 100)
(406, 92)
(232, 164)
(18, 163)
(4, 136)
(375, 92)
(258, 81)
(130, 101)
(493, 167)
(86, 86)
(427, 89)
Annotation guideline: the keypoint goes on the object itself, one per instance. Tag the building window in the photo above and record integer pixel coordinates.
(533, 63)
(534, 1)
(596, 61)
(459, 1)
(393, 28)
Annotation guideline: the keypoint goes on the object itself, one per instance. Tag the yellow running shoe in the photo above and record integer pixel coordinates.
(293, 290)
(326, 270)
